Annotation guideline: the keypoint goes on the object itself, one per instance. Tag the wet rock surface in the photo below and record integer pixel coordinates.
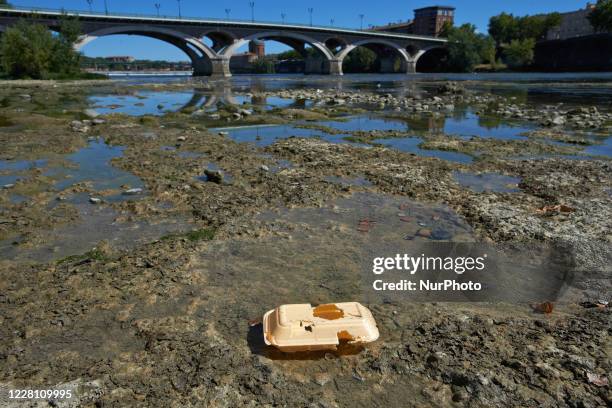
(166, 322)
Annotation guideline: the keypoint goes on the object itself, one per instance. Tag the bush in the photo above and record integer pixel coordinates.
(520, 53)
(26, 50)
(601, 16)
(31, 51)
(466, 48)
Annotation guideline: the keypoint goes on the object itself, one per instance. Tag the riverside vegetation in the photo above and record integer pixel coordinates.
(141, 234)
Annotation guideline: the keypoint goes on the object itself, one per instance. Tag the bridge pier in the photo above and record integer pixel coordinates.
(411, 67)
(220, 67)
(335, 67)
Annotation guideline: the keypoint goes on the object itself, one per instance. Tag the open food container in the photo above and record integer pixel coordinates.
(301, 327)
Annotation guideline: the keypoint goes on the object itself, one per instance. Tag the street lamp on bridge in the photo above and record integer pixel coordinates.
(157, 6)
(283, 15)
(105, 7)
(332, 21)
(310, 10)
(90, 2)
(179, 7)
(227, 13)
(361, 16)
(252, 5)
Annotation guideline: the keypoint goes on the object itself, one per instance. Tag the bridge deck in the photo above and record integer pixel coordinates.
(93, 16)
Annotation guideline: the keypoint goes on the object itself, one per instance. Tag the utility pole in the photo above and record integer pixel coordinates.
(227, 13)
(157, 6)
(361, 16)
(179, 7)
(310, 10)
(90, 2)
(252, 5)
(283, 15)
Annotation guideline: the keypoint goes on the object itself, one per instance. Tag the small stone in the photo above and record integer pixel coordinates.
(7, 186)
(181, 138)
(98, 121)
(133, 191)
(322, 378)
(214, 176)
(95, 200)
(223, 133)
(265, 168)
(90, 113)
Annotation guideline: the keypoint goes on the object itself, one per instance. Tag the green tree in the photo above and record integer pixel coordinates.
(601, 16)
(5, 4)
(519, 53)
(26, 50)
(467, 48)
(360, 60)
(503, 28)
(64, 59)
(31, 51)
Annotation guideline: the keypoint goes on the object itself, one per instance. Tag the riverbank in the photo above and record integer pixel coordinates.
(207, 213)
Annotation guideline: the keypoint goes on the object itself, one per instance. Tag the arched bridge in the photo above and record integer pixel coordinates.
(331, 45)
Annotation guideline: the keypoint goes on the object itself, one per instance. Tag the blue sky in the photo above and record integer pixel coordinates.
(345, 13)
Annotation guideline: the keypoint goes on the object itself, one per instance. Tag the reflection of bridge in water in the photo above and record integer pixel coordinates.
(396, 52)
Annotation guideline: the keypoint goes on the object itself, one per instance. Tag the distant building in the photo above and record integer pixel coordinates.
(120, 58)
(431, 20)
(244, 61)
(427, 21)
(573, 24)
(258, 48)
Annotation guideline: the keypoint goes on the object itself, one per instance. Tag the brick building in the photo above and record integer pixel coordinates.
(427, 21)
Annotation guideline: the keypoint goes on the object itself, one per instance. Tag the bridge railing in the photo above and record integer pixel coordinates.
(167, 17)
(195, 20)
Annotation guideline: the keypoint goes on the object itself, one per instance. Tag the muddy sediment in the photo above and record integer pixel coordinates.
(221, 231)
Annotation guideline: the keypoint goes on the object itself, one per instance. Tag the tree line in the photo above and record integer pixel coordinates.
(511, 39)
(32, 51)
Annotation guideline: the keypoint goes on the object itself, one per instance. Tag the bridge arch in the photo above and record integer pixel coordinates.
(322, 63)
(200, 54)
(220, 39)
(430, 58)
(290, 39)
(387, 51)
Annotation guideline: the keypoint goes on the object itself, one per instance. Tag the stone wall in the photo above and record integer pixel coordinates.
(589, 53)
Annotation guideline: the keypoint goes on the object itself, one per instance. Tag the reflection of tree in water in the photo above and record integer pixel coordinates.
(426, 123)
(490, 122)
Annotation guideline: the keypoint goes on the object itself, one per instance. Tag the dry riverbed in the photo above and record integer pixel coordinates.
(136, 252)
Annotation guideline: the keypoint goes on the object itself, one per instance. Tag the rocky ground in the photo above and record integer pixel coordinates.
(167, 322)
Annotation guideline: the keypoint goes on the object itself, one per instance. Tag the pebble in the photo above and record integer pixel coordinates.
(133, 191)
(95, 200)
(7, 186)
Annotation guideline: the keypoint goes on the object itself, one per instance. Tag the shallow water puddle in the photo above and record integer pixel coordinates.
(411, 145)
(469, 124)
(487, 182)
(366, 124)
(266, 135)
(603, 147)
(10, 169)
(92, 164)
(97, 223)
(141, 103)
